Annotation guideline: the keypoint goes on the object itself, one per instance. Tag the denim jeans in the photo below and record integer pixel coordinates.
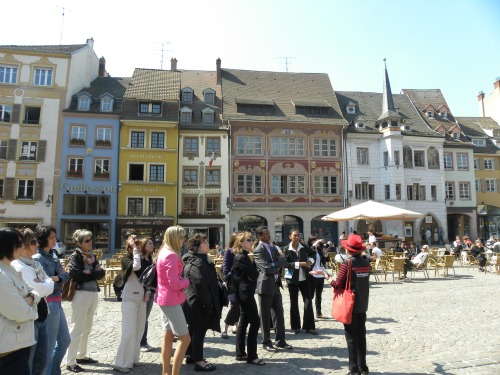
(38, 353)
(58, 338)
(149, 306)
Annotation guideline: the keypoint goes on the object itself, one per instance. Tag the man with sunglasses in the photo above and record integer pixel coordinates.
(269, 263)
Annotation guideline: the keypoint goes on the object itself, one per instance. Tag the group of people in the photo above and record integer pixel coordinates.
(189, 294)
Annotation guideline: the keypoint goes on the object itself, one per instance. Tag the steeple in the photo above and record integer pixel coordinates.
(388, 110)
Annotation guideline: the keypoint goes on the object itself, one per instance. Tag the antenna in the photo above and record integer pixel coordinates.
(286, 58)
(62, 22)
(163, 50)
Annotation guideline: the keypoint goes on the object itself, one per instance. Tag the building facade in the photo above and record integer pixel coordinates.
(489, 105)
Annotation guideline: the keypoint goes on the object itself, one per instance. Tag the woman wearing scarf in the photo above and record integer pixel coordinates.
(84, 268)
(34, 275)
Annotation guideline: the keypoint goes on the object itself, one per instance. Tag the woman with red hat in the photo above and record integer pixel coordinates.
(355, 333)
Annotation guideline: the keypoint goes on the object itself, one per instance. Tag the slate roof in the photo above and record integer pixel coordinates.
(199, 81)
(154, 84)
(473, 127)
(369, 107)
(58, 49)
(283, 89)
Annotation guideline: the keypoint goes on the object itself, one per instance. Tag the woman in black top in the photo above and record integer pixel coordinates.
(146, 244)
(244, 276)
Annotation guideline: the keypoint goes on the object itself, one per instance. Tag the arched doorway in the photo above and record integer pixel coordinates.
(284, 224)
(327, 230)
(250, 222)
(431, 223)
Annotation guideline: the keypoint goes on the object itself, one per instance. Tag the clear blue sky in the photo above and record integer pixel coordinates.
(453, 45)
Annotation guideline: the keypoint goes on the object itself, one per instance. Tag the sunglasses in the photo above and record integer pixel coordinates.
(88, 240)
(33, 242)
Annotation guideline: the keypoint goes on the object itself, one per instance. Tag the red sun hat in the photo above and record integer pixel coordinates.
(354, 243)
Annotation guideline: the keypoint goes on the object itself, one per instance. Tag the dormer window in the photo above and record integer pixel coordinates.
(209, 96)
(350, 109)
(456, 136)
(430, 114)
(496, 133)
(106, 103)
(187, 95)
(149, 108)
(360, 125)
(84, 102)
(186, 115)
(479, 142)
(207, 116)
(443, 115)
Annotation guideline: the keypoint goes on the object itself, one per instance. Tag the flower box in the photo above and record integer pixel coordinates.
(74, 173)
(103, 143)
(77, 141)
(101, 175)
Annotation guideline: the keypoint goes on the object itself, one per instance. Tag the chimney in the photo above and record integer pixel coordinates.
(496, 85)
(219, 76)
(480, 99)
(102, 67)
(173, 64)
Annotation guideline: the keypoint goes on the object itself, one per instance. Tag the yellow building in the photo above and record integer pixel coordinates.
(148, 161)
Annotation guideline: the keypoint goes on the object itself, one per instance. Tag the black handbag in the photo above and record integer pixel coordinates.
(148, 278)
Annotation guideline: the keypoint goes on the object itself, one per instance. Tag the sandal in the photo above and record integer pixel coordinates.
(207, 367)
(241, 357)
(257, 362)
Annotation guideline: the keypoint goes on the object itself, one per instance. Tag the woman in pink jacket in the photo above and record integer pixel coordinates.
(170, 296)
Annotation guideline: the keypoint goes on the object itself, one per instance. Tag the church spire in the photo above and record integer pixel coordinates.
(388, 110)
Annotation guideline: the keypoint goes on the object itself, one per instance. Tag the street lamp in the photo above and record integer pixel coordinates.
(48, 202)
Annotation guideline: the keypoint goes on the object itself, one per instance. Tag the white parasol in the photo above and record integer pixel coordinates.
(371, 211)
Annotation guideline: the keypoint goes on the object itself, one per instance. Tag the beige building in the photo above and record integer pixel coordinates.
(489, 105)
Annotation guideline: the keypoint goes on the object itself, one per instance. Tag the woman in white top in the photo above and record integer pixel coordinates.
(317, 282)
(34, 275)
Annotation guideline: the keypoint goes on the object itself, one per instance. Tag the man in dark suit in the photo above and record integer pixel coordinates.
(269, 263)
(299, 259)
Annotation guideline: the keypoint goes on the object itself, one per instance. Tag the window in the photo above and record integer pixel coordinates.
(386, 158)
(103, 137)
(25, 189)
(5, 112)
(78, 135)
(43, 77)
(157, 140)
(284, 146)
(213, 205)
(135, 206)
(189, 204)
(157, 173)
(387, 189)
(8, 74)
(106, 104)
(155, 206)
(362, 155)
(207, 116)
(151, 108)
(84, 102)
(464, 190)
(249, 184)
(479, 142)
(324, 147)
(28, 151)
(491, 185)
(364, 191)
(187, 96)
(456, 136)
(212, 177)
(312, 111)
(186, 116)
(190, 177)
(449, 190)
(1, 188)
(86, 204)
(496, 133)
(407, 157)
(434, 192)
(430, 114)
(249, 145)
(325, 185)
(418, 159)
(136, 172)
(137, 140)
(213, 145)
(476, 163)
(75, 167)
(288, 184)
(443, 114)
(415, 192)
(448, 160)
(477, 184)
(101, 168)
(3, 149)
(432, 158)
(489, 164)
(421, 193)
(255, 109)
(191, 145)
(209, 96)
(398, 192)
(32, 115)
(462, 162)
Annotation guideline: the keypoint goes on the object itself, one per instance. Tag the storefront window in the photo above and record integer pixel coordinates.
(85, 204)
(100, 232)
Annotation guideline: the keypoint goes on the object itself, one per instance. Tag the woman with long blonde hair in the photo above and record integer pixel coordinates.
(169, 296)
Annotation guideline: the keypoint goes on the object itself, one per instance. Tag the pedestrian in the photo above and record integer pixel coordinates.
(440, 236)
(233, 314)
(244, 275)
(170, 295)
(317, 282)
(428, 236)
(85, 270)
(355, 333)
(57, 326)
(269, 263)
(147, 247)
(18, 309)
(299, 260)
(202, 308)
(133, 308)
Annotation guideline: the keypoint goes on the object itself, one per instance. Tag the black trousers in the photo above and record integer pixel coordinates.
(233, 314)
(195, 348)
(271, 307)
(249, 315)
(308, 321)
(355, 336)
(317, 285)
(16, 362)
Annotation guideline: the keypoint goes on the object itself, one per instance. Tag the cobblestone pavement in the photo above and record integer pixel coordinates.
(423, 326)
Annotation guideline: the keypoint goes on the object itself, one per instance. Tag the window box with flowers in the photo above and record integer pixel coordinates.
(103, 143)
(77, 142)
(77, 174)
(103, 175)
(194, 214)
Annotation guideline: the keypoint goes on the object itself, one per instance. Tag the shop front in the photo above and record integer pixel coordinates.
(141, 227)
(488, 221)
(100, 230)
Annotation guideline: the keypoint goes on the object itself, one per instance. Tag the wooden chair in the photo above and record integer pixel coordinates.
(424, 268)
(331, 257)
(445, 263)
(398, 265)
(374, 267)
(399, 254)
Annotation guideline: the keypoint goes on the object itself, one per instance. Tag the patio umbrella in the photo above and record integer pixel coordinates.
(372, 211)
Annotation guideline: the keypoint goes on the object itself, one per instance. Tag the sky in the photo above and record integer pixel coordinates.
(452, 45)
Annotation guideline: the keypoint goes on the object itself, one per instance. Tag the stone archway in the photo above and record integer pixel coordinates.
(250, 223)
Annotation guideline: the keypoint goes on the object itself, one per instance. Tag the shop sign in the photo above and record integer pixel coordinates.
(142, 222)
(82, 187)
(482, 209)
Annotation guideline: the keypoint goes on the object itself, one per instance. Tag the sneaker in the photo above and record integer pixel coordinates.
(224, 335)
(123, 370)
(146, 348)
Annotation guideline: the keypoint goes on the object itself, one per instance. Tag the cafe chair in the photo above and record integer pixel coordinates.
(424, 268)
(374, 268)
(445, 263)
(398, 265)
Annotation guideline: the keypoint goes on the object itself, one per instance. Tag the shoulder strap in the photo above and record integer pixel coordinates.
(348, 283)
